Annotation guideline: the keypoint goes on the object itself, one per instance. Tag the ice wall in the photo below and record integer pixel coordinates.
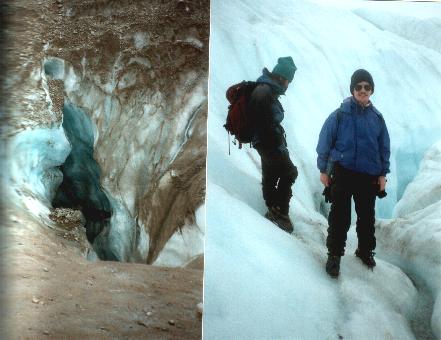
(425, 189)
(413, 239)
(34, 159)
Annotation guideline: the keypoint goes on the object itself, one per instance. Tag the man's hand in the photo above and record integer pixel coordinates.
(325, 179)
(382, 182)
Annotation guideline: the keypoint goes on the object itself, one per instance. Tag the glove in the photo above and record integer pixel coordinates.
(327, 193)
(381, 194)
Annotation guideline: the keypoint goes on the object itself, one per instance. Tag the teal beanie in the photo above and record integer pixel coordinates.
(285, 68)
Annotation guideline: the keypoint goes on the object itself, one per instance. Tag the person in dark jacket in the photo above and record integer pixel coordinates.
(278, 171)
(354, 147)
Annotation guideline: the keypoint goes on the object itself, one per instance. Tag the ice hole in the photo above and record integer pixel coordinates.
(54, 68)
(81, 188)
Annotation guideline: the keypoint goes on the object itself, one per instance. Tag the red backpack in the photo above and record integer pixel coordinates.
(239, 121)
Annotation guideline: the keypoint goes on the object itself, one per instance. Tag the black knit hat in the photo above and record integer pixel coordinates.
(359, 76)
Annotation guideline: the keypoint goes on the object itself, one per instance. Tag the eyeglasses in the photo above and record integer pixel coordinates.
(367, 87)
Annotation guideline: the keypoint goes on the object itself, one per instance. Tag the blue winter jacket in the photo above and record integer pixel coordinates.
(268, 113)
(359, 141)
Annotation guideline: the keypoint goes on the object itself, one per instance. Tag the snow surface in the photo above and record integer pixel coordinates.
(262, 283)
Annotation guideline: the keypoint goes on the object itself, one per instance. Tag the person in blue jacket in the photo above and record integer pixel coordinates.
(278, 171)
(353, 158)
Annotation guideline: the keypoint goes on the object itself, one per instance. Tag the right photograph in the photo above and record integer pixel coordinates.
(323, 206)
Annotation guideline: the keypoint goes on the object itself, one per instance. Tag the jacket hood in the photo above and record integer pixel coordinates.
(266, 78)
(350, 105)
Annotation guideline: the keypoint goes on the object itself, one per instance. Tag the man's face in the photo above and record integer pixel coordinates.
(283, 82)
(362, 92)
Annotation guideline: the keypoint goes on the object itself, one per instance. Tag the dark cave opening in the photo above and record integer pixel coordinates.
(81, 188)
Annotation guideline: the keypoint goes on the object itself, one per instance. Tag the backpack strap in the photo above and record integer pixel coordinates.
(338, 118)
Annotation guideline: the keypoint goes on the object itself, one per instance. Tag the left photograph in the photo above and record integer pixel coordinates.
(104, 160)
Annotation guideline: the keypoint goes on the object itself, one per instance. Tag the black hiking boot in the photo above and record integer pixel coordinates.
(281, 220)
(367, 258)
(333, 265)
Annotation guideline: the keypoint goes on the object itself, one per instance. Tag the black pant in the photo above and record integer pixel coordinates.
(346, 184)
(278, 175)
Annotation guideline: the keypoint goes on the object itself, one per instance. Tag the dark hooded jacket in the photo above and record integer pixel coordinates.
(268, 113)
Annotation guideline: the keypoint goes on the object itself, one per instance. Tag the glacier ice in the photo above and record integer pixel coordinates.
(54, 68)
(261, 283)
(425, 189)
(34, 169)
